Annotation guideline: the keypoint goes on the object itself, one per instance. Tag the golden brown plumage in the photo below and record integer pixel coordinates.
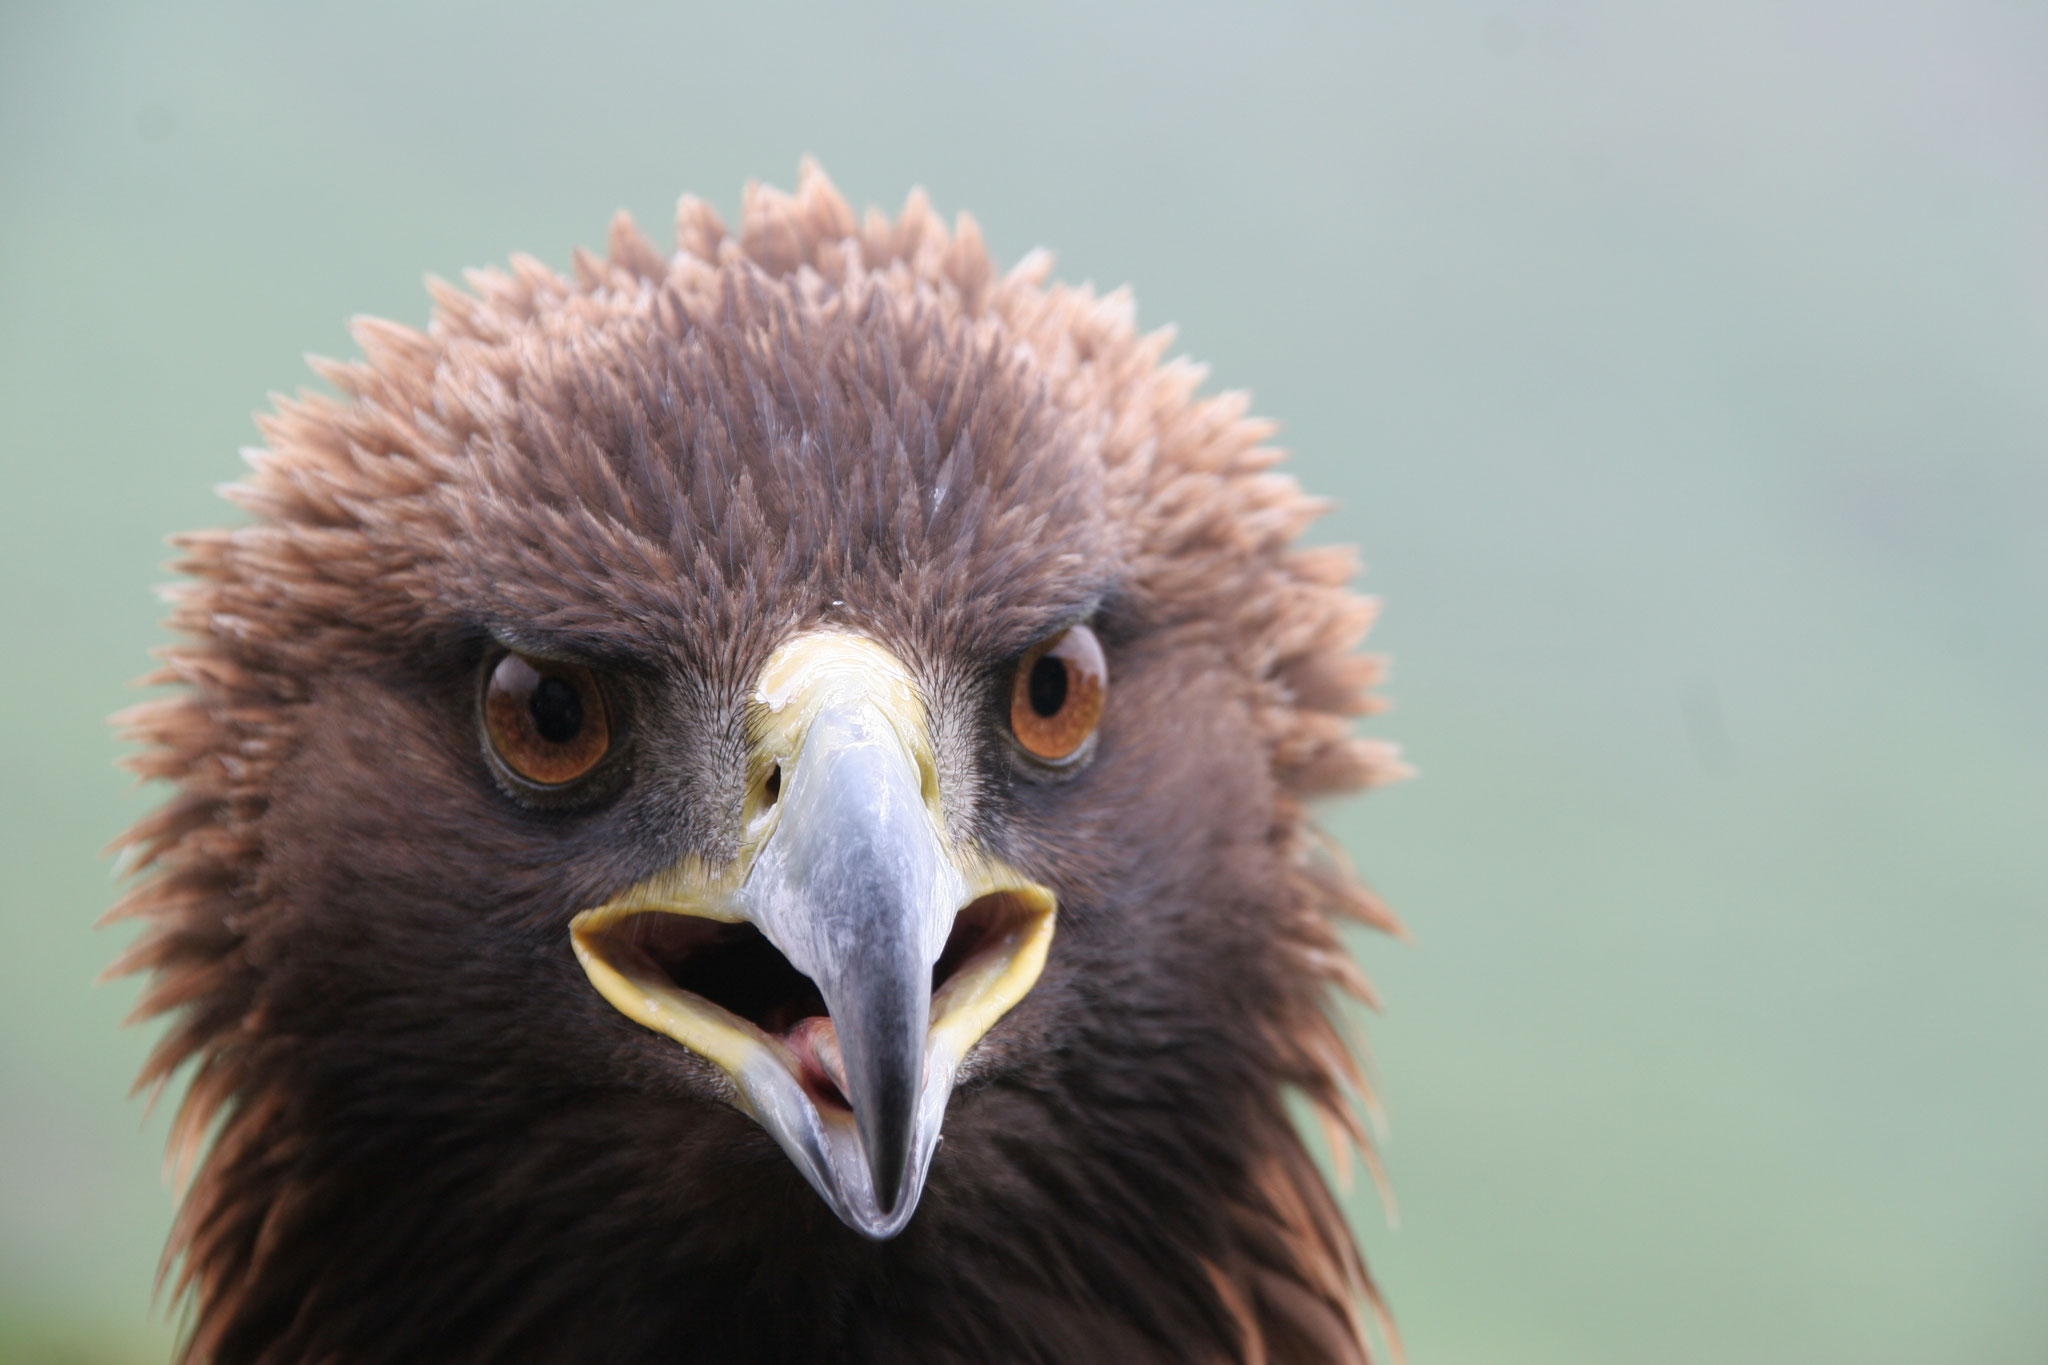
(430, 1138)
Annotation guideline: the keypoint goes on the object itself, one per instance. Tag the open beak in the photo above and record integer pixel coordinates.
(841, 967)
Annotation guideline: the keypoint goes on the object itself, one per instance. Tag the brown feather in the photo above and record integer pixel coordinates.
(426, 1139)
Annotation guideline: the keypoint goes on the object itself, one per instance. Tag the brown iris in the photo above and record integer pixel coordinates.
(1056, 701)
(547, 720)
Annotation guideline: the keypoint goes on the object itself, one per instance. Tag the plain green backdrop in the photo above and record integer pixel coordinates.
(1683, 371)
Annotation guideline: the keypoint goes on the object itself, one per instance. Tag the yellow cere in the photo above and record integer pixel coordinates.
(829, 668)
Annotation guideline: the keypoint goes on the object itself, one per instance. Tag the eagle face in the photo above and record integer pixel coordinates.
(677, 744)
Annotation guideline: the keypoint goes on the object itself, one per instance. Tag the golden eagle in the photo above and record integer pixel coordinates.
(747, 805)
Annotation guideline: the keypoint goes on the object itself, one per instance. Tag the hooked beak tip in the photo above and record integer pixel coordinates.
(886, 1085)
(888, 1176)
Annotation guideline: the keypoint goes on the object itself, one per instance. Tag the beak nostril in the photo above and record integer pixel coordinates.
(762, 798)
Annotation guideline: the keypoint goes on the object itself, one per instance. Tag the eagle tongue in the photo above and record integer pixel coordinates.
(816, 1044)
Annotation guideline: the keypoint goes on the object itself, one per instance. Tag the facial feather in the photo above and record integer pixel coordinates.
(429, 1137)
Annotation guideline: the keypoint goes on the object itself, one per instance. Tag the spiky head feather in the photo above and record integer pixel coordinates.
(684, 456)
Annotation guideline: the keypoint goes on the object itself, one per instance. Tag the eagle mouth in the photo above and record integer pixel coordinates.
(841, 964)
(729, 973)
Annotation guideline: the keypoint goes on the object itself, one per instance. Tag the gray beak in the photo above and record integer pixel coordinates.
(849, 873)
(855, 887)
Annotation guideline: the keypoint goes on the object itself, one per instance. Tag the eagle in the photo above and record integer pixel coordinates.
(751, 804)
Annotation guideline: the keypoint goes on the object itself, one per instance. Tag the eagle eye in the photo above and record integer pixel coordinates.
(1057, 697)
(547, 721)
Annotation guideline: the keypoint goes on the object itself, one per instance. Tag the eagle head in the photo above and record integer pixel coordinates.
(747, 804)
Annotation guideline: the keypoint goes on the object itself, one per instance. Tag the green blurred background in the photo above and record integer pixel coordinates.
(1682, 369)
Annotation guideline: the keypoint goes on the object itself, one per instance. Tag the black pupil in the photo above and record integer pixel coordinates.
(557, 710)
(1048, 686)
